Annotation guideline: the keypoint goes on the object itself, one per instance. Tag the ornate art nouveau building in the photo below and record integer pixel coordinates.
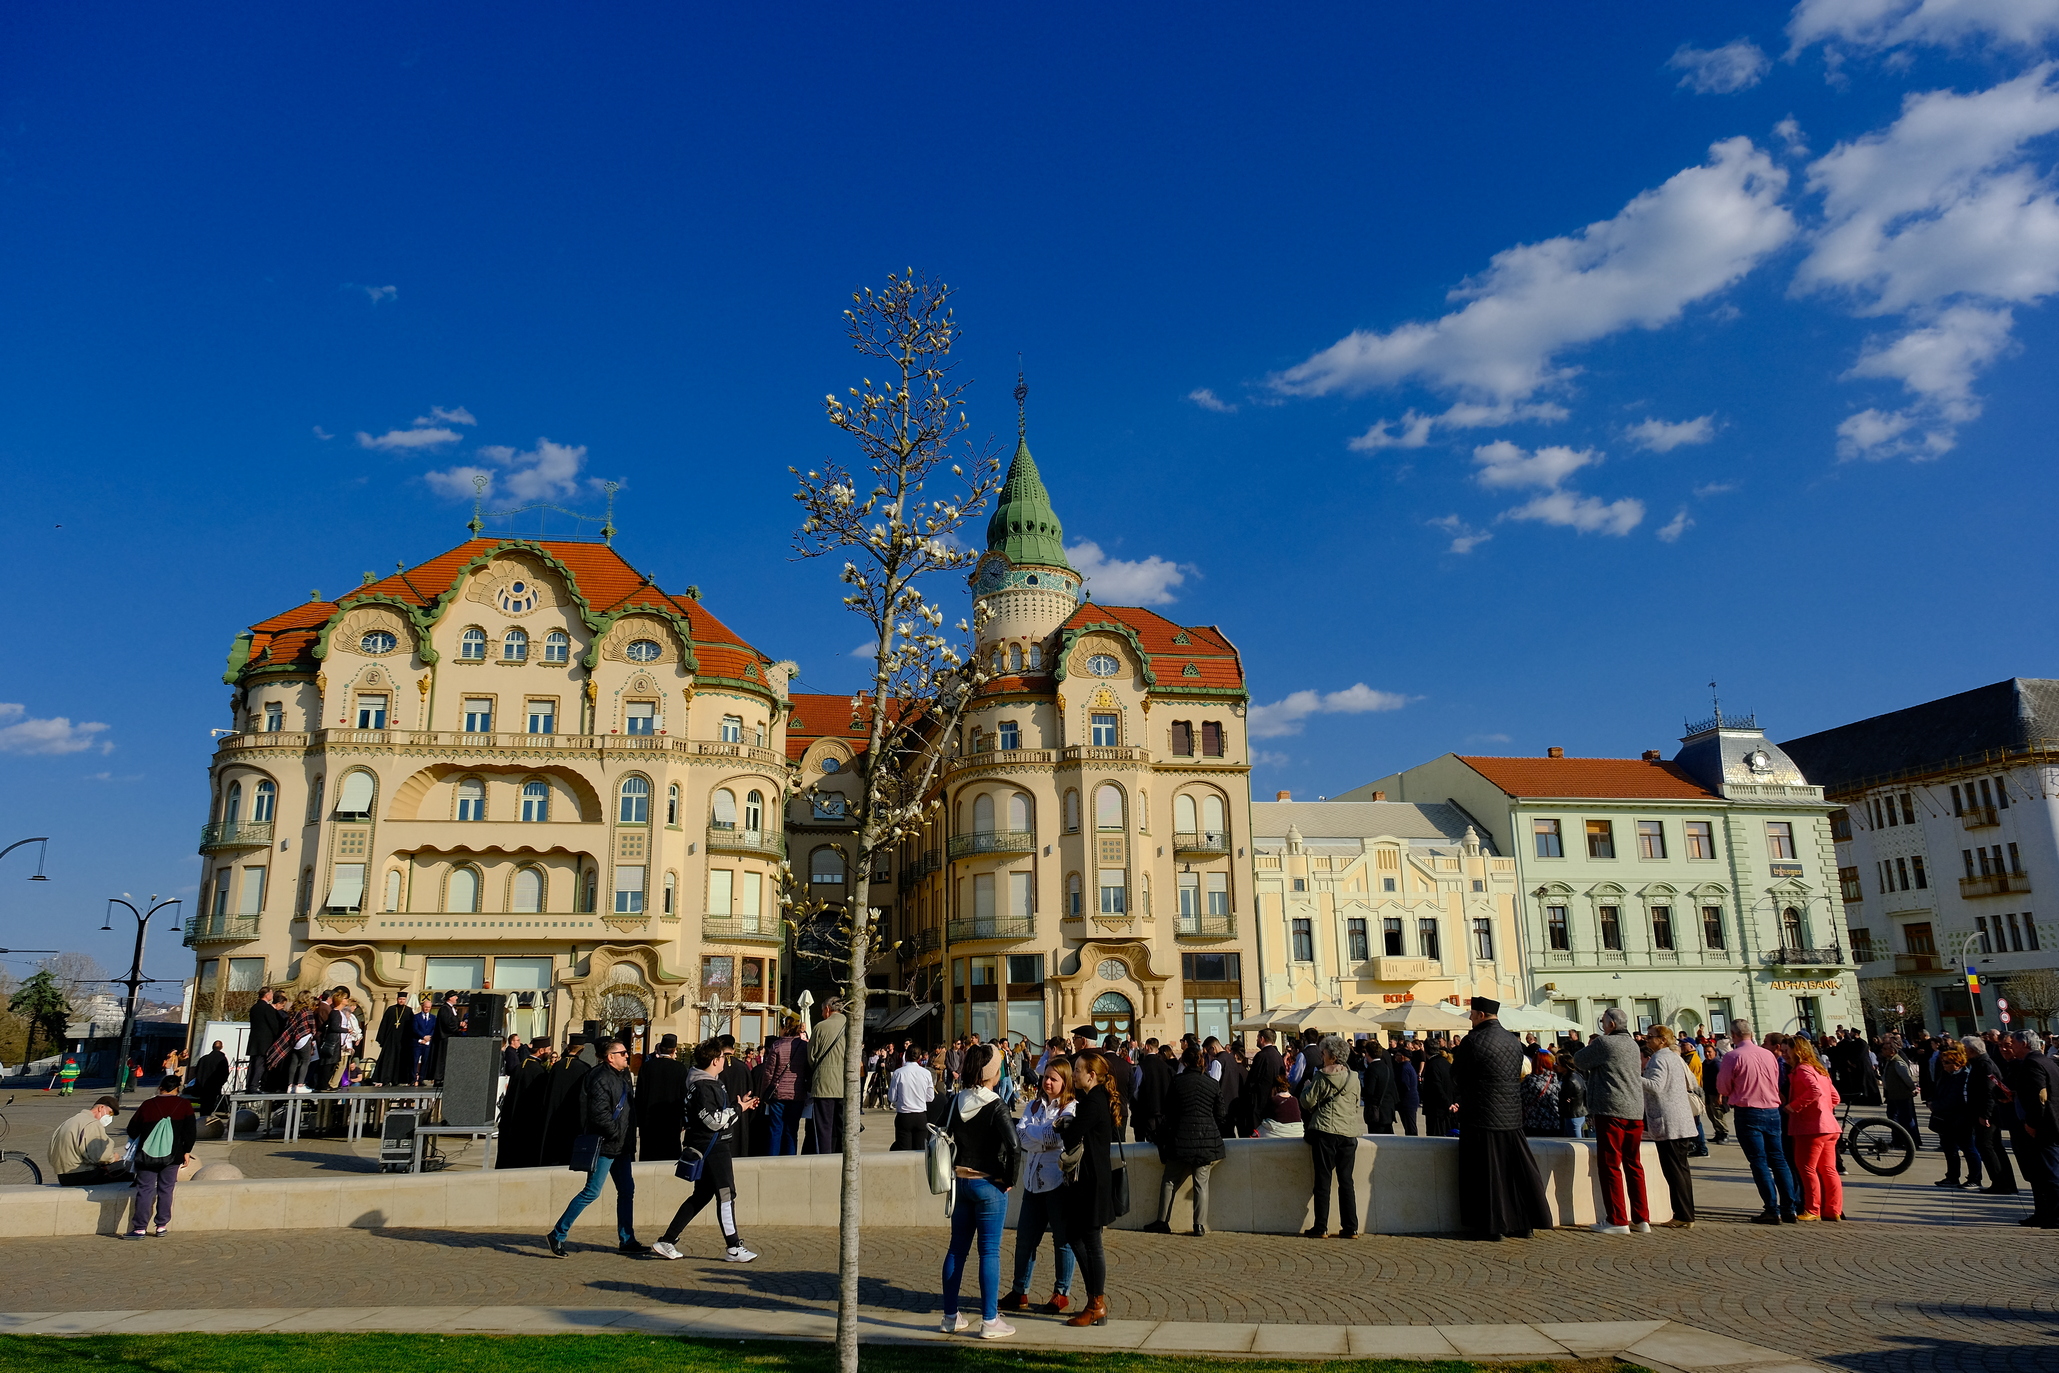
(1089, 861)
(520, 767)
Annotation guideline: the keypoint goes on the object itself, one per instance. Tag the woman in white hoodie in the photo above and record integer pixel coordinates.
(1669, 1121)
(1042, 1176)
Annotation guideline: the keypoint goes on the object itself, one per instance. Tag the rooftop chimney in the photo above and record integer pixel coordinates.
(1283, 796)
(1651, 755)
(1554, 752)
(1379, 796)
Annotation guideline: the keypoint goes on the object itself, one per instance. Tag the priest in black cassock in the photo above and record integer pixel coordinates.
(523, 1108)
(396, 1041)
(561, 1120)
(1501, 1191)
(449, 1025)
(661, 1102)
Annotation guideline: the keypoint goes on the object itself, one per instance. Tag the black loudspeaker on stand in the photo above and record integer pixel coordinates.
(486, 1015)
(471, 1081)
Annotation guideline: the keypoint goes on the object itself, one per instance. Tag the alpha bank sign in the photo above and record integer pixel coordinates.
(1810, 985)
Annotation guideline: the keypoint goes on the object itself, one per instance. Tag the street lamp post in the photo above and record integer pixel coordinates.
(41, 854)
(134, 981)
(1964, 962)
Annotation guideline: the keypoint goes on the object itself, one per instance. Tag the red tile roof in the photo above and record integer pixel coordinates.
(817, 715)
(1210, 652)
(1630, 778)
(603, 576)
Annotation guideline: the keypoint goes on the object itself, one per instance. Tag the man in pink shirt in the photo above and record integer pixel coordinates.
(1748, 1081)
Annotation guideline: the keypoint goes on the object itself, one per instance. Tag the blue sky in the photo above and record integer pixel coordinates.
(1494, 374)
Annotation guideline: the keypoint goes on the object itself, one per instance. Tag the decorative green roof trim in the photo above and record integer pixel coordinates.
(1073, 633)
(422, 623)
(752, 691)
(239, 657)
(1183, 692)
(1024, 528)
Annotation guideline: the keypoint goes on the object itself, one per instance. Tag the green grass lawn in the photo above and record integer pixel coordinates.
(370, 1353)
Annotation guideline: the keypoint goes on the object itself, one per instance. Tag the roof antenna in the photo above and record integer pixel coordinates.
(1717, 702)
(608, 529)
(479, 481)
(1021, 399)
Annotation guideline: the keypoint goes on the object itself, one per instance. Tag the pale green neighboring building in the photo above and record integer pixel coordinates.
(1685, 892)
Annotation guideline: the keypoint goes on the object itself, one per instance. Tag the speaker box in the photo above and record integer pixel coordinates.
(486, 1014)
(471, 1081)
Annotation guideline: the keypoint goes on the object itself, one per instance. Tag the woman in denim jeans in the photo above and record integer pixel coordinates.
(980, 1126)
(1041, 1178)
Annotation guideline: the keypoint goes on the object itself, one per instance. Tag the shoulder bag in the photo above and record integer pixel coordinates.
(690, 1165)
(1119, 1182)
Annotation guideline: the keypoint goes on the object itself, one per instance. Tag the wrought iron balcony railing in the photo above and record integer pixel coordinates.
(235, 834)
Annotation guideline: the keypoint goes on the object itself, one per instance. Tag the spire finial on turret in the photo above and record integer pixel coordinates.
(1021, 401)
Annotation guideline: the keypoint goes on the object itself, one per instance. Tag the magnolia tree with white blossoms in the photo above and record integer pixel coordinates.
(895, 515)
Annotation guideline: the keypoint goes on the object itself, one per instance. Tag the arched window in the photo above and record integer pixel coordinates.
(393, 889)
(672, 804)
(1108, 808)
(1015, 657)
(725, 809)
(983, 814)
(671, 891)
(263, 802)
(636, 802)
(536, 801)
(471, 799)
(472, 646)
(527, 896)
(1072, 895)
(514, 648)
(232, 805)
(1019, 812)
(557, 647)
(826, 867)
(314, 801)
(356, 795)
(754, 811)
(464, 892)
(1184, 820)
(1072, 812)
(1212, 815)
(1791, 928)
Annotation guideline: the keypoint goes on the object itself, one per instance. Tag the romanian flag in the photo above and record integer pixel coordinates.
(1973, 981)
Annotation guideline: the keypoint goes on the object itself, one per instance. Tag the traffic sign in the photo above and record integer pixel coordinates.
(2005, 1017)
(2002, 1003)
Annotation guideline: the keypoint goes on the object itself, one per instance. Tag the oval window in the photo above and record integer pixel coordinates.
(378, 641)
(643, 651)
(830, 764)
(1103, 665)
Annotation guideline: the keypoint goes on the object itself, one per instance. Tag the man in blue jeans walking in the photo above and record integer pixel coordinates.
(1749, 1080)
(606, 1110)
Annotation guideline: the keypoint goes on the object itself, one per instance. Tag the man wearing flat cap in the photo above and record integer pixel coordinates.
(1501, 1191)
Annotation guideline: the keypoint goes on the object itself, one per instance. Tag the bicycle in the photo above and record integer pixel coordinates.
(3, 1117)
(1881, 1146)
(19, 1170)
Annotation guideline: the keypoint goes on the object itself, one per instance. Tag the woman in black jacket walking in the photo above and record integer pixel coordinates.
(1190, 1140)
(1440, 1093)
(1088, 1199)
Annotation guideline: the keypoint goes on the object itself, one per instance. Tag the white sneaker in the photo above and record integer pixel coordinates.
(995, 1329)
(1642, 1227)
(1602, 1227)
(666, 1251)
(738, 1254)
(953, 1325)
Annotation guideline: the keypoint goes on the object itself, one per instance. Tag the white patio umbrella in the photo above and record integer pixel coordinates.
(1423, 1015)
(1325, 1017)
(1535, 1020)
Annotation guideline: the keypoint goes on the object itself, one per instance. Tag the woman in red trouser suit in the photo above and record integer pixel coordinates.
(1811, 1101)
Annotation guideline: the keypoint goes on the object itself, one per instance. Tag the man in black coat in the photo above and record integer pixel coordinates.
(607, 1109)
(523, 1109)
(1501, 1191)
(396, 1041)
(1264, 1070)
(266, 1025)
(1230, 1075)
(1379, 1089)
(661, 1102)
(1154, 1079)
(736, 1081)
(2033, 1075)
(1189, 1139)
(449, 1025)
(561, 1102)
(210, 1076)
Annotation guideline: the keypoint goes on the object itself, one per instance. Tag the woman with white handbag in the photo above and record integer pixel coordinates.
(985, 1155)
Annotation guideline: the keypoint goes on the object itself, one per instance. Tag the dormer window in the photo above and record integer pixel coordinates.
(515, 647)
(1103, 665)
(377, 642)
(472, 647)
(643, 651)
(518, 598)
(557, 647)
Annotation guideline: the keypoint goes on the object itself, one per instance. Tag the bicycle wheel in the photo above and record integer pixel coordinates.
(1881, 1146)
(3, 1127)
(19, 1170)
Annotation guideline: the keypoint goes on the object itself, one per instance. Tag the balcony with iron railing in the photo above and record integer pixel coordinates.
(1997, 884)
(725, 929)
(1979, 817)
(1003, 758)
(991, 841)
(754, 843)
(416, 739)
(1006, 929)
(219, 929)
(1919, 963)
(1218, 926)
(235, 834)
(1830, 956)
(1200, 844)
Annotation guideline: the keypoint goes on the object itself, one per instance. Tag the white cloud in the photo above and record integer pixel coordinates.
(21, 733)
(1883, 24)
(1671, 531)
(323, 434)
(1737, 65)
(1588, 514)
(549, 469)
(1209, 400)
(1789, 132)
(1707, 489)
(438, 415)
(1266, 758)
(1489, 739)
(1503, 465)
(868, 650)
(1660, 436)
(407, 440)
(1940, 218)
(1146, 581)
(1464, 538)
(1687, 239)
(1287, 715)
(374, 293)
(1416, 427)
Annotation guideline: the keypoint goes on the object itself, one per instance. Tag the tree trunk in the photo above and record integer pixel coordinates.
(849, 1202)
